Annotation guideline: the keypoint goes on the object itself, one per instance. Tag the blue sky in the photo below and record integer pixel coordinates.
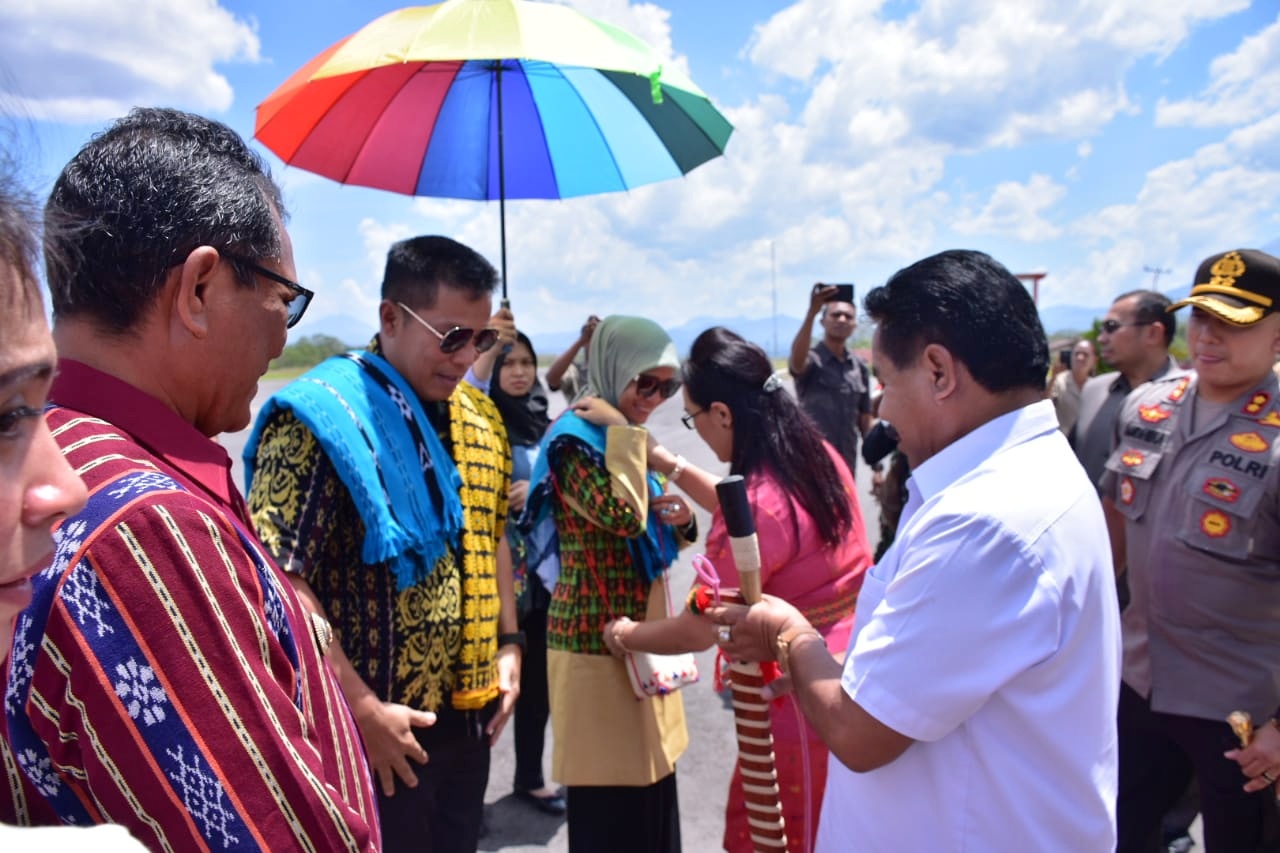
(1088, 140)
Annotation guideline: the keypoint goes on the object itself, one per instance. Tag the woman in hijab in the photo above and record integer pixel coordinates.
(617, 534)
(813, 547)
(522, 401)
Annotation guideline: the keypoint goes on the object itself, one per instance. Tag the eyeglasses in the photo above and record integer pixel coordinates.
(688, 418)
(457, 337)
(647, 386)
(1112, 326)
(297, 306)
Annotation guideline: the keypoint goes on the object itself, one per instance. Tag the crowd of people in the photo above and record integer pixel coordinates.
(1081, 583)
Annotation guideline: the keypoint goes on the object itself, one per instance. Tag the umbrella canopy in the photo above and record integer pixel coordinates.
(491, 99)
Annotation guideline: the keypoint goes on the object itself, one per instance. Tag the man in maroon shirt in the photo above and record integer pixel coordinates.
(165, 676)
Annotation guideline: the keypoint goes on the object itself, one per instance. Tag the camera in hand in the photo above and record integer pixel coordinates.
(1064, 356)
(881, 440)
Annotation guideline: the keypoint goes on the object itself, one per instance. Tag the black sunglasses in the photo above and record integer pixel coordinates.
(297, 306)
(1113, 326)
(647, 386)
(457, 337)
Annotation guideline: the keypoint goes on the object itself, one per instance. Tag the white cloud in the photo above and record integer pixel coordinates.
(972, 75)
(1244, 85)
(1015, 210)
(87, 60)
(1221, 196)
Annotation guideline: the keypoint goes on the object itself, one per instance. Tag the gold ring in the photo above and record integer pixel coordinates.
(725, 634)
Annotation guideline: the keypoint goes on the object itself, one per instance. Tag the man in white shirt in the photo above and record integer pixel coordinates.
(975, 708)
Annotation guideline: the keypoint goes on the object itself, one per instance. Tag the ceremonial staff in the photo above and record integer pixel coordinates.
(750, 709)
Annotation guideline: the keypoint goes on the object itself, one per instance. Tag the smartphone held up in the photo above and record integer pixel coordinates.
(844, 293)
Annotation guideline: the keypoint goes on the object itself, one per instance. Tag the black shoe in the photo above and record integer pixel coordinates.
(552, 804)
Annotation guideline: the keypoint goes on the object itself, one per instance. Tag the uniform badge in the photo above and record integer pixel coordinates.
(1250, 442)
(1271, 418)
(1257, 402)
(1222, 489)
(1178, 390)
(1215, 524)
(1126, 491)
(1132, 458)
(1153, 414)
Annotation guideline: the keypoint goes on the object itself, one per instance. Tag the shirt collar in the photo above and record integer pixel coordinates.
(966, 453)
(1121, 384)
(193, 456)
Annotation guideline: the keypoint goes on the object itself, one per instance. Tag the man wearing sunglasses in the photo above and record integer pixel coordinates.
(1134, 339)
(832, 383)
(378, 480)
(166, 676)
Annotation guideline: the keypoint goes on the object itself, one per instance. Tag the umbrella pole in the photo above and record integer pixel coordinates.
(502, 189)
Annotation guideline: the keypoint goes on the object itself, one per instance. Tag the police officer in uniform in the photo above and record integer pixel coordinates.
(1193, 487)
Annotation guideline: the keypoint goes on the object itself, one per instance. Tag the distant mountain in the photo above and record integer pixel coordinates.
(760, 330)
(1069, 318)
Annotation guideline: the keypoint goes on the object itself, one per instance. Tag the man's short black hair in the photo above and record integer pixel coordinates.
(138, 198)
(1153, 307)
(418, 266)
(971, 305)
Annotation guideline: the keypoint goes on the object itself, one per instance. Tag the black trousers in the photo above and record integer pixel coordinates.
(534, 708)
(618, 819)
(1159, 755)
(442, 814)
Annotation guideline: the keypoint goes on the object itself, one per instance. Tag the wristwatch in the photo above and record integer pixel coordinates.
(515, 638)
(782, 645)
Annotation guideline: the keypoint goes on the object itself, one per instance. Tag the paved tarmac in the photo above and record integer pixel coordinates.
(704, 770)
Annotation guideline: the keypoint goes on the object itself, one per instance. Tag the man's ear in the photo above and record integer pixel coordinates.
(191, 286)
(388, 318)
(943, 370)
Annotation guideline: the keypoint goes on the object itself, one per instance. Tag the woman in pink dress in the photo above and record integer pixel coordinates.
(813, 547)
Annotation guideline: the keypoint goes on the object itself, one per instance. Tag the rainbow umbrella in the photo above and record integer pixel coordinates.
(492, 99)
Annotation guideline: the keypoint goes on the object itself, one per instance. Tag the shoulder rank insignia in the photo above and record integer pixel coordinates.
(1153, 414)
(1126, 491)
(1250, 442)
(1132, 458)
(1271, 418)
(1215, 524)
(1222, 489)
(1257, 402)
(1178, 390)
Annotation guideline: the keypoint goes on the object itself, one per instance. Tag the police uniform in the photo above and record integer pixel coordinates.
(1199, 488)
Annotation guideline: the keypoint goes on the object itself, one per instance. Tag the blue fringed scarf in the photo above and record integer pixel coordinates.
(651, 553)
(401, 479)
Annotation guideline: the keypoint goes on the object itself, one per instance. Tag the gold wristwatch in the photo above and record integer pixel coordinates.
(785, 639)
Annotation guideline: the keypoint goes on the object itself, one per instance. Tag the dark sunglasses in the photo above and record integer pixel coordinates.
(1113, 326)
(457, 337)
(647, 386)
(297, 306)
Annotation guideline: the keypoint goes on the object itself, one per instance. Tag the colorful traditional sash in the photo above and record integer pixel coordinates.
(405, 486)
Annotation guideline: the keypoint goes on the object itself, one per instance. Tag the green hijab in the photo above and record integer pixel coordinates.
(621, 349)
